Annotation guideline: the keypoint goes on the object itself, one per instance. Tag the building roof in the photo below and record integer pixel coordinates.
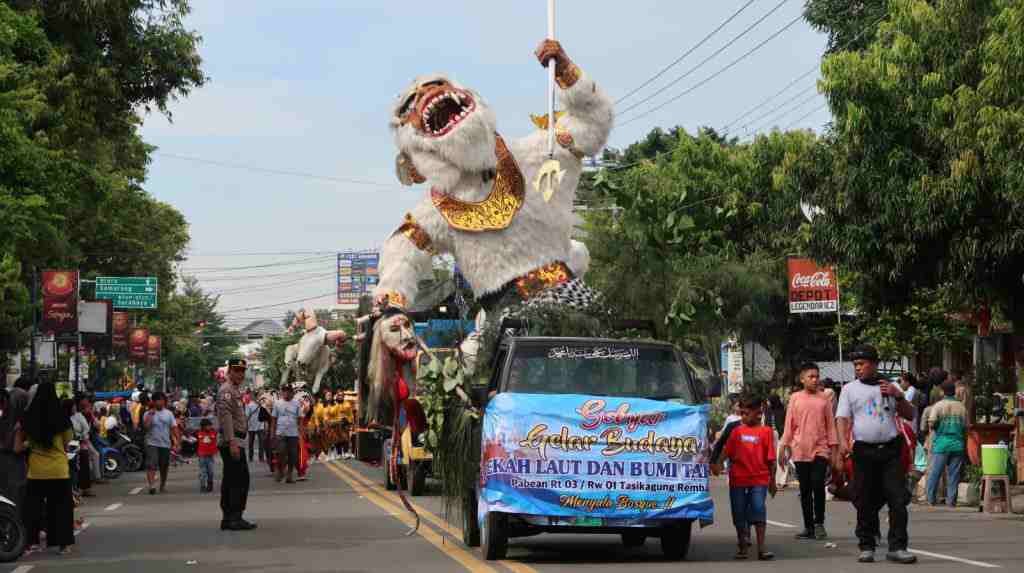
(264, 327)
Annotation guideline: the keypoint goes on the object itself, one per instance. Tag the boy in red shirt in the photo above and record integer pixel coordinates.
(206, 439)
(751, 449)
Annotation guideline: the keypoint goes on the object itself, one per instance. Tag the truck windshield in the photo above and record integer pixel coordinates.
(601, 369)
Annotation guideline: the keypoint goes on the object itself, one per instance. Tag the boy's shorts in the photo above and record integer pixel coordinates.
(748, 506)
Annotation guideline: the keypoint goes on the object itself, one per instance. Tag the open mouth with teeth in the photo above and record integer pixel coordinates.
(445, 110)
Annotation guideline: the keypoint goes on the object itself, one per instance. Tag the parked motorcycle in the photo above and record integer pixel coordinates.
(111, 460)
(13, 535)
(134, 457)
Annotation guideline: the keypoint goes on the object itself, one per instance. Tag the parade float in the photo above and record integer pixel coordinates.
(545, 350)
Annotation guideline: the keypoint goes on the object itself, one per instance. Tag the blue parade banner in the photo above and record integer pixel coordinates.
(579, 456)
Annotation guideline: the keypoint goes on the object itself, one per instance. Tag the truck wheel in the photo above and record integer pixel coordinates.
(494, 536)
(470, 525)
(675, 541)
(632, 540)
(419, 478)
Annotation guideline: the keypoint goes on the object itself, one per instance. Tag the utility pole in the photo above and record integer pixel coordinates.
(35, 325)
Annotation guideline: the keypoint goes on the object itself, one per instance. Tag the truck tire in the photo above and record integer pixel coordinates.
(675, 541)
(494, 536)
(633, 540)
(470, 525)
(419, 478)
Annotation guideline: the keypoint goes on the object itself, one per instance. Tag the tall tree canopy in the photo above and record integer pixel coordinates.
(75, 75)
(921, 179)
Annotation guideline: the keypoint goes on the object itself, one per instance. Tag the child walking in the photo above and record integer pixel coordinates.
(206, 449)
(751, 452)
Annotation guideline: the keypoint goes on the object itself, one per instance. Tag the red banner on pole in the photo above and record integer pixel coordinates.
(812, 288)
(137, 344)
(119, 332)
(153, 349)
(60, 302)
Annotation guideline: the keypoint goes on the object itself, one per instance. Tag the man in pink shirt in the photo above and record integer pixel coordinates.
(810, 440)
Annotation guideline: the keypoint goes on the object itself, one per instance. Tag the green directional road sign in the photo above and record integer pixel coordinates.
(128, 292)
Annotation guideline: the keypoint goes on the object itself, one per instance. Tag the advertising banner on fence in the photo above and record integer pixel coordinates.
(60, 302)
(137, 343)
(812, 288)
(585, 457)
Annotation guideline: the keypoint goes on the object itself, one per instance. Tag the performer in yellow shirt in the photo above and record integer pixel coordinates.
(318, 426)
(347, 418)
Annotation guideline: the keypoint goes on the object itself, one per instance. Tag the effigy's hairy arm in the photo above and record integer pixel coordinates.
(589, 114)
(407, 254)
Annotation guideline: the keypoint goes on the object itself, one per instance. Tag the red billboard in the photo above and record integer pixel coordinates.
(138, 341)
(119, 332)
(812, 288)
(153, 349)
(60, 302)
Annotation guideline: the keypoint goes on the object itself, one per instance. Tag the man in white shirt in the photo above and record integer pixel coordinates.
(868, 407)
(284, 426)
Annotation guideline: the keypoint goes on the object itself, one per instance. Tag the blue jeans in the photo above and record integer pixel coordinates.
(748, 506)
(206, 472)
(952, 463)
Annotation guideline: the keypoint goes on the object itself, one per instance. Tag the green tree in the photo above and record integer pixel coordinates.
(919, 179)
(704, 226)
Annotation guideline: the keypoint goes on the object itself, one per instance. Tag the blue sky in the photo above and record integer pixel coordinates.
(308, 88)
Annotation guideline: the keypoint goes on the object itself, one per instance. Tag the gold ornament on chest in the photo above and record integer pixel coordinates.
(499, 208)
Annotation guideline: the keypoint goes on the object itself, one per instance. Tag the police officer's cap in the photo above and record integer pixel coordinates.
(236, 362)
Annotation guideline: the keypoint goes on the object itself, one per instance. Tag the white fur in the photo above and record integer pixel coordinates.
(540, 232)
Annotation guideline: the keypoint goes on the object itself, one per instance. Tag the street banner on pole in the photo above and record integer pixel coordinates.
(137, 344)
(119, 332)
(812, 288)
(153, 349)
(60, 302)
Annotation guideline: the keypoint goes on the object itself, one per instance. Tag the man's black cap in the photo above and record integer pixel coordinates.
(236, 362)
(864, 352)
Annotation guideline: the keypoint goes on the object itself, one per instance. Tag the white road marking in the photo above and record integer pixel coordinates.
(22, 569)
(957, 559)
(779, 524)
(113, 507)
(135, 491)
(85, 525)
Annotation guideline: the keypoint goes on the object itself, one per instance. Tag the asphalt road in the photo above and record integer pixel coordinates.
(343, 520)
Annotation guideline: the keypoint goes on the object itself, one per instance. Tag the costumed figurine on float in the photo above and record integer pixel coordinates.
(312, 353)
(495, 205)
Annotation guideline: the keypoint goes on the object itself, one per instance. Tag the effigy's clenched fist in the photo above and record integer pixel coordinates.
(566, 72)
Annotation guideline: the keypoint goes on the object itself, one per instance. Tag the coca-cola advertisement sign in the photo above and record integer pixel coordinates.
(138, 341)
(812, 288)
(60, 302)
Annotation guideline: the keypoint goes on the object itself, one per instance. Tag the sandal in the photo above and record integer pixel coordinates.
(765, 556)
(66, 550)
(741, 552)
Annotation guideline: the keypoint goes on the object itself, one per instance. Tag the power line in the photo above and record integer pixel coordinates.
(264, 266)
(294, 274)
(721, 71)
(286, 303)
(773, 120)
(259, 287)
(816, 66)
(285, 172)
(714, 54)
(687, 53)
(806, 115)
(259, 253)
(725, 128)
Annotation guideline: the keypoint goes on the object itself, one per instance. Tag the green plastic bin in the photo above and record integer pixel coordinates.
(994, 459)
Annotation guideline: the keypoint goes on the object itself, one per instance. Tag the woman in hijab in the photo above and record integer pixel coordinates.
(45, 434)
